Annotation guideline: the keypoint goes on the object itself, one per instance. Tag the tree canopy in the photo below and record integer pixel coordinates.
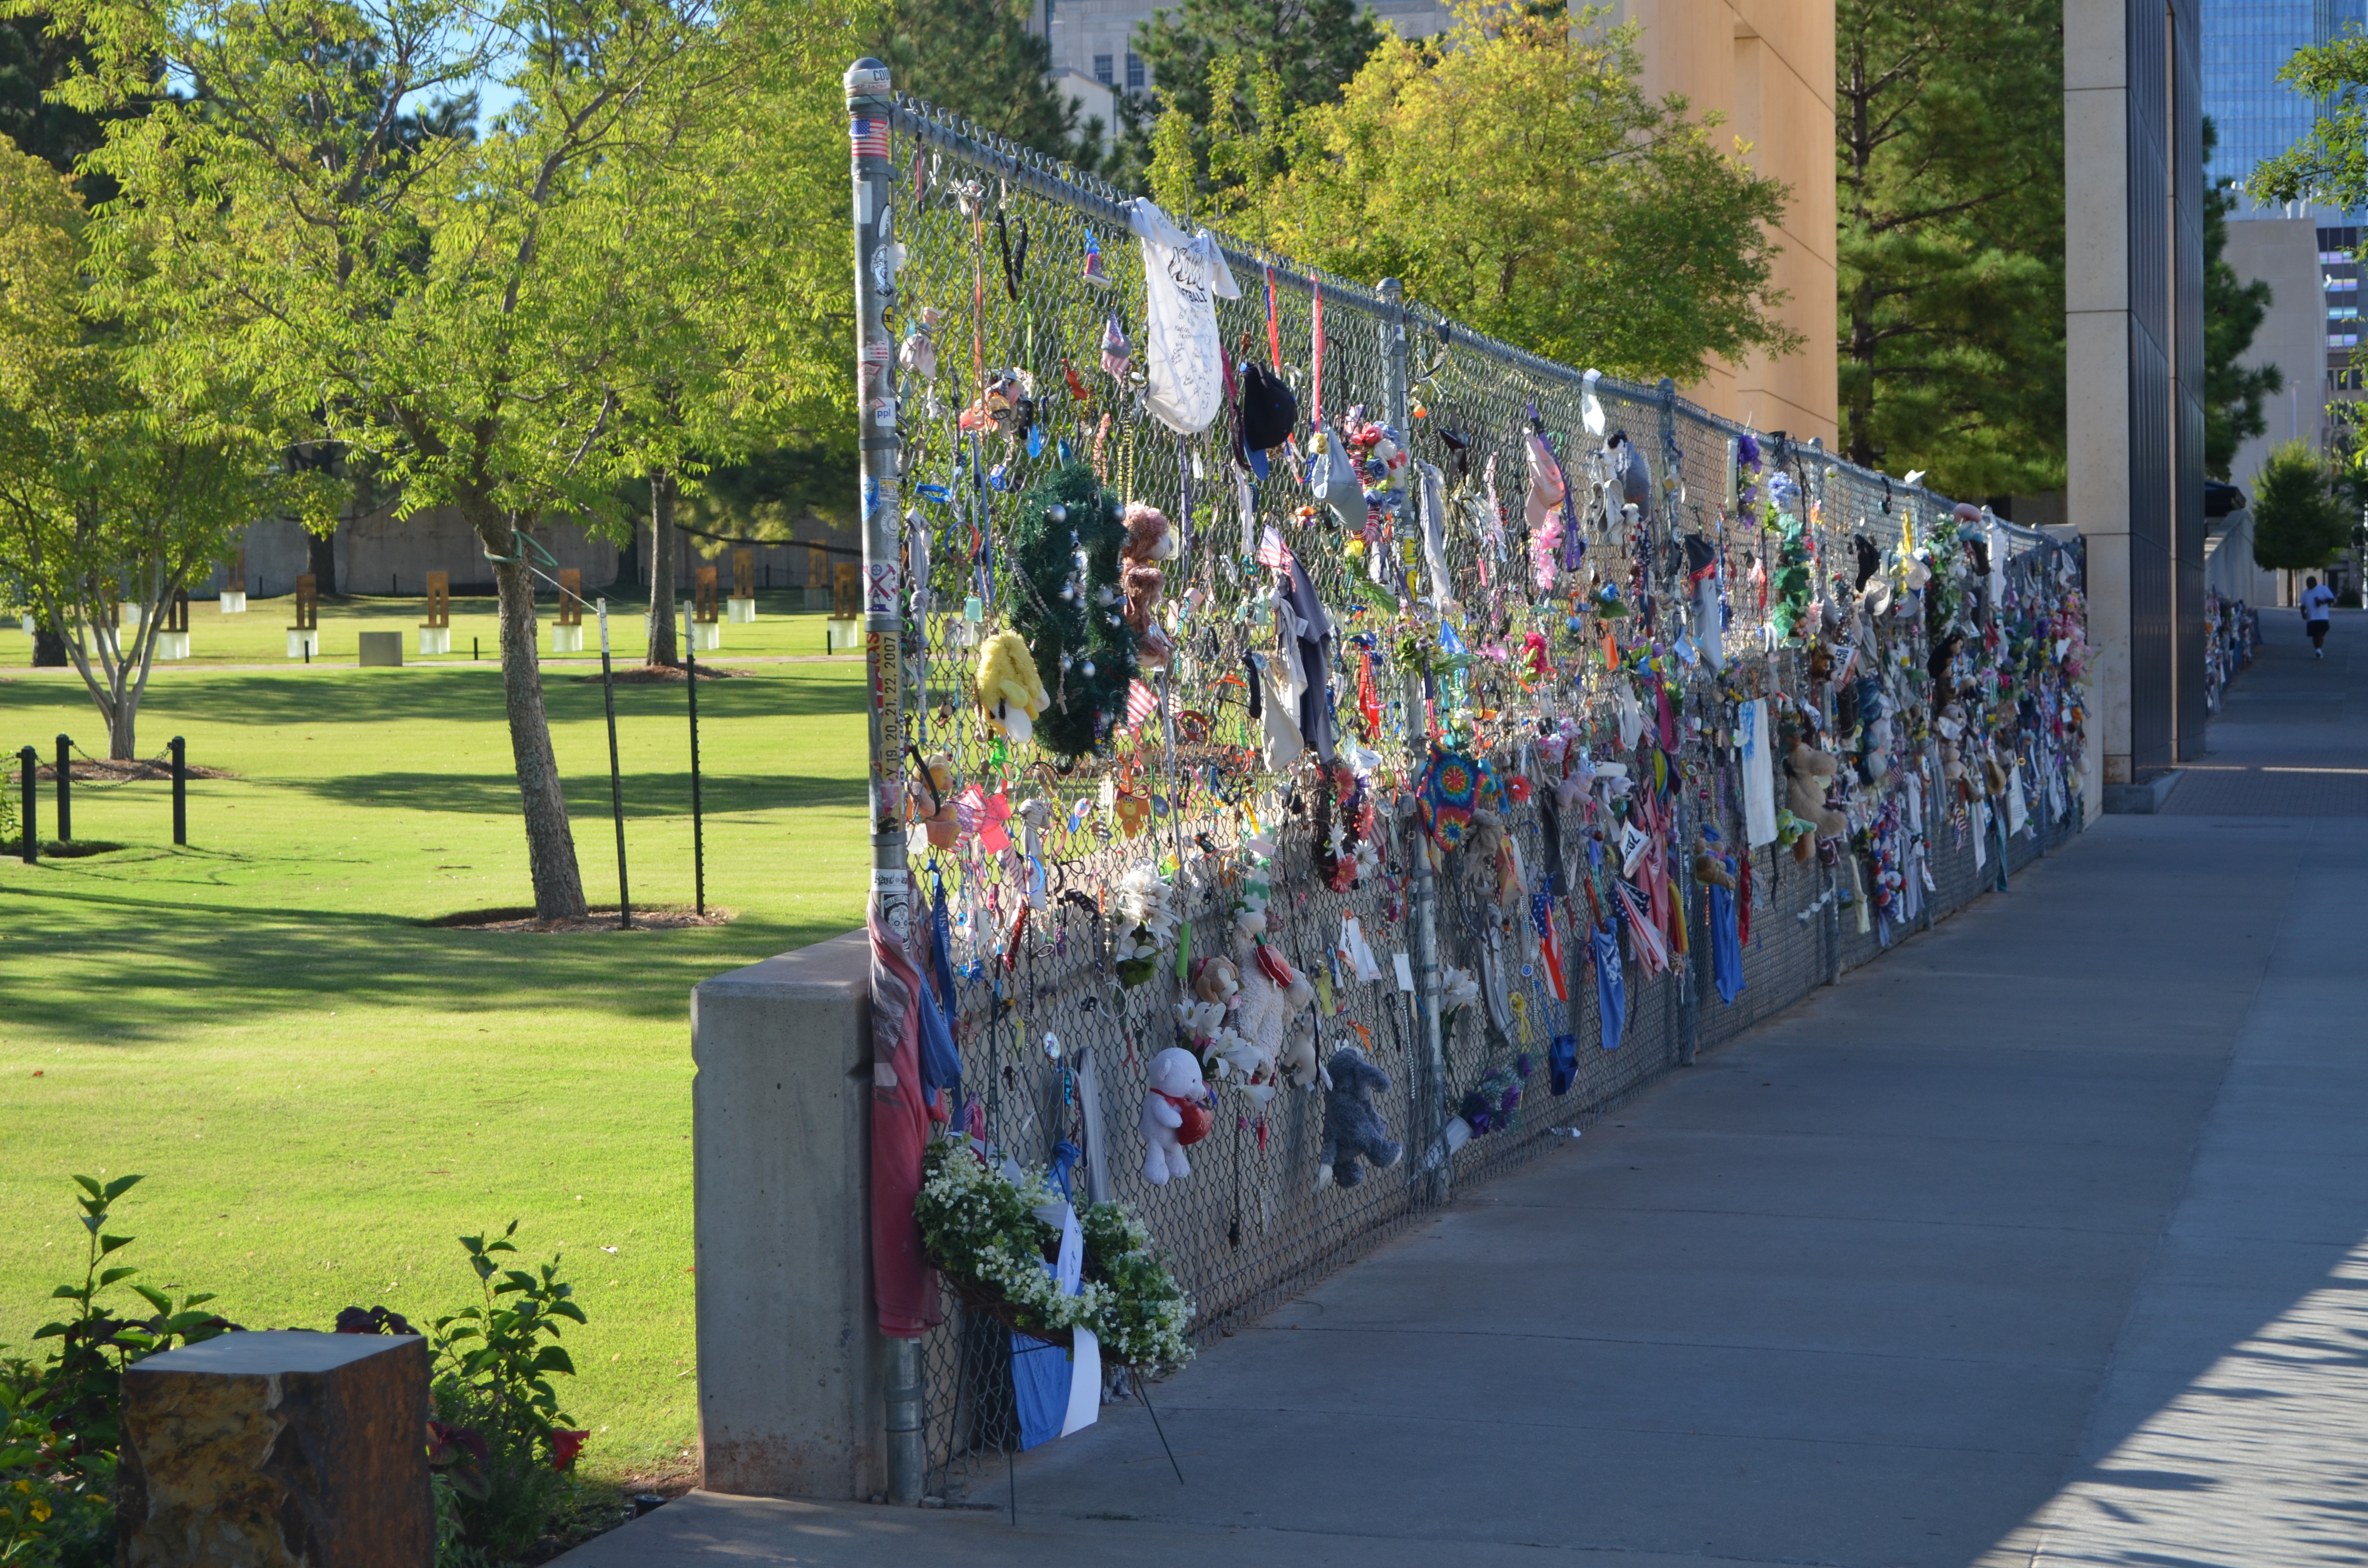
(1948, 121)
(2298, 524)
(979, 59)
(1512, 173)
(1308, 49)
(2233, 311)
(121, 475)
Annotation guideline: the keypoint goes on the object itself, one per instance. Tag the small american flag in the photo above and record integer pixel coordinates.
(1141, 702)
(869, 137)
(1273, 552)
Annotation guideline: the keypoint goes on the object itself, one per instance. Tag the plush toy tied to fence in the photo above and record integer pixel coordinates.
(1175, 1114)
(1353, 1129)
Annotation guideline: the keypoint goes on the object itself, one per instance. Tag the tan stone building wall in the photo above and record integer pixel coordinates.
(1767, 66)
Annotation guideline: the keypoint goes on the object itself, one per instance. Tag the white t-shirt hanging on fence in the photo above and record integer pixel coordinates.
(1759, 773)
(1184, 359)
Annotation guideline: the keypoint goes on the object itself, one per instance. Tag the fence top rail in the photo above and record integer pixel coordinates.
(944, 130)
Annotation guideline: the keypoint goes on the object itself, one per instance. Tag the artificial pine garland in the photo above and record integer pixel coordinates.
(1070, 608)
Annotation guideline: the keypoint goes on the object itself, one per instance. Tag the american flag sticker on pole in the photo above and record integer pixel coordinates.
(869, 137)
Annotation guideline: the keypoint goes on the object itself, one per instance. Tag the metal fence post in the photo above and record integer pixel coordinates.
(28, 762)
(698, 824)
(869, 101)
(66, 789)
(1431, 1096)
(181, 749)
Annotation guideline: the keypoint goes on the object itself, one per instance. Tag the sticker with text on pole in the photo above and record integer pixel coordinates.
(1405, 971)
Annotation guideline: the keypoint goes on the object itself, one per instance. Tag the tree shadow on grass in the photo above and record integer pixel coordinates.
(457, 694)
(650, 794)
(156, 973)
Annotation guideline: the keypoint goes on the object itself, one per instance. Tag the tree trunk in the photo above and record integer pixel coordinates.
(662, 649)
(48, 648)
(321, 561)
(121, 721)
(550, 846)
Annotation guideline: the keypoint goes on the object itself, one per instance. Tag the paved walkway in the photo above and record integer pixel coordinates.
(2039, 1242)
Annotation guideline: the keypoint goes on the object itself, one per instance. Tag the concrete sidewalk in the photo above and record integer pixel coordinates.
(2038, 1240)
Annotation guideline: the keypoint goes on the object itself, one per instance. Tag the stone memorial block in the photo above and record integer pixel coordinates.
(380, 650)
(173, 636)
(567, 634)
(277, 1449)
(436, 632)
(742, 607)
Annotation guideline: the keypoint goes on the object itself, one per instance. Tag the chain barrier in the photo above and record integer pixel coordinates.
(1553, 722)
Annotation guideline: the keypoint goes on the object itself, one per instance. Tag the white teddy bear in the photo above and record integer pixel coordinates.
(1175, 1113)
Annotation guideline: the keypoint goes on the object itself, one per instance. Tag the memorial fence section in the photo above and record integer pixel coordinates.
(995, 246)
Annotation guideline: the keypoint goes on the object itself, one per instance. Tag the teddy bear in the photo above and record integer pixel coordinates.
(932, 803)
(1175, 1115)
(1812, 773)
(1201, 1013)
(1008, 688)
(1352, 1128)
(1149, 538)
(1273, 1003)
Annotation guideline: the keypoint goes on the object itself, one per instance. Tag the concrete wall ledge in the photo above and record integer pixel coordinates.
(2145, 798)
(790, 1353)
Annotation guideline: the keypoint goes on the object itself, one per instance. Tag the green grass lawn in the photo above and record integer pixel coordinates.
(321, 1091)
(783, 628)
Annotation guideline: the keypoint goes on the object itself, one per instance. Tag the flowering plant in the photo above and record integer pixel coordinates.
(984, 1227)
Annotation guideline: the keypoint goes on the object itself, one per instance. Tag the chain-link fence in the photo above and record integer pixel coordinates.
(1017, 322)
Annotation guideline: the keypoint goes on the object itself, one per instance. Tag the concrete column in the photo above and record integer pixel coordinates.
(789, 1356)
(2132, 302)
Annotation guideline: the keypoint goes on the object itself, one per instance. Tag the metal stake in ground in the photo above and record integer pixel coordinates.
(615, 788)
(28, 762)
(66, 789)
(181, 749)
(698, 830)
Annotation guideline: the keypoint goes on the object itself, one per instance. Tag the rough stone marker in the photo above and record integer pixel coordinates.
(278, 1448)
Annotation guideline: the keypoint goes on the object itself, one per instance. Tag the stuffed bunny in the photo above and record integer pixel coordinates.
(1352, 1128)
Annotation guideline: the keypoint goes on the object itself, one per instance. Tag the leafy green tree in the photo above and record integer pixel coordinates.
(1309, 49)
(2233, 311)
(634, 261)
(1513, 174)
(32, 63)
(2330, 164)
(120, 479)
(977, 57)
(2298, 523)
(1949, 141)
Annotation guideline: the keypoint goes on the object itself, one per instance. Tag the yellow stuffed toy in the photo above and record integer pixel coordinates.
(1008, 688)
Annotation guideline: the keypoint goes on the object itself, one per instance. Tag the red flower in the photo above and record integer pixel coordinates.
(565, 1447)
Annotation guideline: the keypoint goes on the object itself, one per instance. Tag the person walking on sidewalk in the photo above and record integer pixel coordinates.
(2317, 601)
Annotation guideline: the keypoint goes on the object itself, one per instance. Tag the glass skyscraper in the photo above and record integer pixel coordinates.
(2246, 44)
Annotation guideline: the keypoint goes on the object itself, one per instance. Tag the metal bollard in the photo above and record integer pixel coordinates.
(30, 762)
(66, 789)
(180, 790)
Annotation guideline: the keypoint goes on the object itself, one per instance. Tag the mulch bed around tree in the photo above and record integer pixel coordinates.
(104, 772)
(664, 675)
(664, 918)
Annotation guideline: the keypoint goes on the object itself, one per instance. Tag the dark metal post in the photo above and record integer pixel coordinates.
(28, 762)
(615, 788)
(698, 826)
(66, 789)
(180, 790)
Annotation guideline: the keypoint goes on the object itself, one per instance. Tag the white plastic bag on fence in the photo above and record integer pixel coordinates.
(1183, 357)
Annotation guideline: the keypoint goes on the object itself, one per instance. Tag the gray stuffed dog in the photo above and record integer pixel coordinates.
(1351, 1126)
